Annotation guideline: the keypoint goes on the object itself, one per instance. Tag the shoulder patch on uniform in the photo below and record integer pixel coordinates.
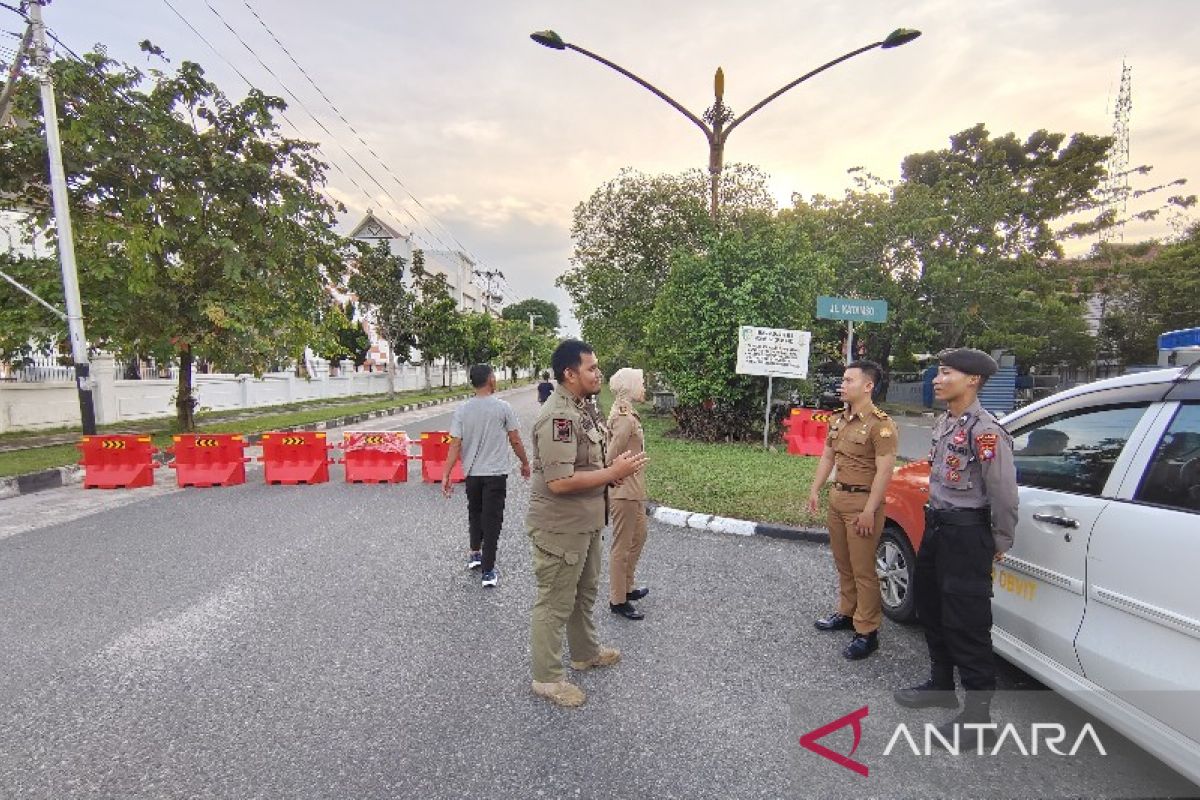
(986, 446)
(880, 413)
(563, 431)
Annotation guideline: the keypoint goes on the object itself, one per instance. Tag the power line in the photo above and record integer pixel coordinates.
(250, 83)
(319, 123)
(348, 124)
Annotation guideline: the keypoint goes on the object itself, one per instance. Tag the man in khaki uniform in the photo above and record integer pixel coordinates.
(862, 445)
(629, 499)
(567, 511)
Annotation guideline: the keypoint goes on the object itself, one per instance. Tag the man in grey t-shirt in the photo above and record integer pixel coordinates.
(482, 431)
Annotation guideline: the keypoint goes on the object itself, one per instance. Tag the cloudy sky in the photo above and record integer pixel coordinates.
(499, 138)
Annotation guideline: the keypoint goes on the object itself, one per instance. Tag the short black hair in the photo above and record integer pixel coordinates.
(479, 375)
(869, 368)
(545, 375)
(568, 355)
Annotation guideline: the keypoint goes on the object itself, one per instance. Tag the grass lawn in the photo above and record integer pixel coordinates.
(19, 462)
(731, 480)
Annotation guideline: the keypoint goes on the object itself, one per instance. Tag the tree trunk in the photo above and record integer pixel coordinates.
(185, 402)
(885, 356)
(391, 368)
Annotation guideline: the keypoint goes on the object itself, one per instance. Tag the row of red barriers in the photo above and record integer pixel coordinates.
(807, 429)
(203, 460)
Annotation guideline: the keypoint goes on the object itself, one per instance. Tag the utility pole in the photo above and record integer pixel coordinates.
(62, 223)
(532, 366)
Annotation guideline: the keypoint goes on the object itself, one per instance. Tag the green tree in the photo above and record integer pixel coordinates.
(377, 280)
(435, 317)
(348, 338)
(546, 313)
(480, 341)
(1153, 295)
(626, 235)
(200, 230)
(962, 247)
(766, 275)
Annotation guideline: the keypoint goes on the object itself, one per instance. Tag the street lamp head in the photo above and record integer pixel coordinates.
(549, 39)
(898, 37)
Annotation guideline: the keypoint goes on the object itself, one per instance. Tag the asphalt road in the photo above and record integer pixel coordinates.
(326, 642)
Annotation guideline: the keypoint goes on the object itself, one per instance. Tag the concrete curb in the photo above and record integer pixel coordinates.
(57, 477)
(738, 527)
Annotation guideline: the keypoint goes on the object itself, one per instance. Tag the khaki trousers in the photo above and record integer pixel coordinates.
(566, 567)
(854, 555)
(628, 539)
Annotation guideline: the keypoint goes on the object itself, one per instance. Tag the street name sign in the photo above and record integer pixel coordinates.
(851, 310)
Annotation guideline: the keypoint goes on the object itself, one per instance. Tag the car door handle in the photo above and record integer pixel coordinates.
(1053, 519)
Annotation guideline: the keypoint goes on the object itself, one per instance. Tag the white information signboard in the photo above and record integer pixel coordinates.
(774, 352)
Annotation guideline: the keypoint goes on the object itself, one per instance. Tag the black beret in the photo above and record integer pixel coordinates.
(969, 360)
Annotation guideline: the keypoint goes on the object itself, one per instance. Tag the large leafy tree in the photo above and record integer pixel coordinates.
(626, 235)
(959, 247)
(200, 230)
(764, 275)
(377, 280)
(545, 313)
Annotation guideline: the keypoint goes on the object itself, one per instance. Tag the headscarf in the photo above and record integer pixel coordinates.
(623, 384)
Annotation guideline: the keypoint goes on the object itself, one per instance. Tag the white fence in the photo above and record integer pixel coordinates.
(50, 403)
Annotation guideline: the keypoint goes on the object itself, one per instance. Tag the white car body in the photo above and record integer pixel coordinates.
(1098, 597)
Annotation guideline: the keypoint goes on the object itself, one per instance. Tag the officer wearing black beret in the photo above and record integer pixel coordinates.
(969, 523)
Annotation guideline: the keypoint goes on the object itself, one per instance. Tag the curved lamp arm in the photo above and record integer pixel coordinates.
(795, 83)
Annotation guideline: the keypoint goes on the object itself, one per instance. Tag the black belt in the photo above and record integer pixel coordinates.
(845, 487)
(959, 516)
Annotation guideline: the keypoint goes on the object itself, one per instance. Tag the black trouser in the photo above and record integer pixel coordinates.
(485, 511)
(953, 582)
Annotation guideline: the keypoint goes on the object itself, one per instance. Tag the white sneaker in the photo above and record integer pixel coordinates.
(475, 560)
(490, 578)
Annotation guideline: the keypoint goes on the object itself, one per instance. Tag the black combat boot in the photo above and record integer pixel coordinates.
(977, 710)
(937, 692)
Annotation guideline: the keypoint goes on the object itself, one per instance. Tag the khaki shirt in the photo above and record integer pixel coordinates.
(971, 466)
(856, 440)
(626, 435)
(568, 437)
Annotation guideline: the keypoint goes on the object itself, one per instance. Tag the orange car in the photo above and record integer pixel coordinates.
(895, 556)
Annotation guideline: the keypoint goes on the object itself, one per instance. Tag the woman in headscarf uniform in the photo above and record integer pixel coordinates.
(629, 498)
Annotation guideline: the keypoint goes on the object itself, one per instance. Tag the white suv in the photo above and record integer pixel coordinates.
(1099, 598)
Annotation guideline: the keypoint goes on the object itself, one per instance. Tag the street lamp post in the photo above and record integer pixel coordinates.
(718, 121)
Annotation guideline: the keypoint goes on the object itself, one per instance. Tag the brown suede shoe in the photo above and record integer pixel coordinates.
(564, 694)
(605, 657)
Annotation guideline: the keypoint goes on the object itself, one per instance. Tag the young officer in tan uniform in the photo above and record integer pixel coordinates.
(567, 511)
(970, 522)
(628, 499)
(862, 445)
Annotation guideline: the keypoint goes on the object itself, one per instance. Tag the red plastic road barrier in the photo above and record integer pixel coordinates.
(117, 462)
(435, 446)
(375, 456)
(300, 457)
(807, 429)
(209, 459)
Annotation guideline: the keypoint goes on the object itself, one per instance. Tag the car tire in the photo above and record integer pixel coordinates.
(895, 564)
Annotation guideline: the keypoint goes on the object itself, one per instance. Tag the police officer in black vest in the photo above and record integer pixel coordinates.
(969, 523)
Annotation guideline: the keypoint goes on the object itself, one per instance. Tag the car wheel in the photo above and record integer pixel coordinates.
(895, 564)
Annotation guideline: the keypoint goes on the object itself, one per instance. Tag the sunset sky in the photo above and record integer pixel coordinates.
(499, 138)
